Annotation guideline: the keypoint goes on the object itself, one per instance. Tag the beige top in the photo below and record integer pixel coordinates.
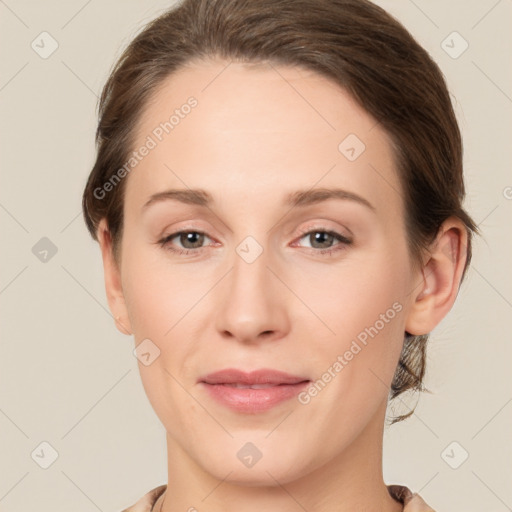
(412, 501)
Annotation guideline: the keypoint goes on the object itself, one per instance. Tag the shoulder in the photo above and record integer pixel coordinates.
(145, 504)
(412, 501)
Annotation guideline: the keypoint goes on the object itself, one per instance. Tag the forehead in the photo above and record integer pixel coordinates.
(273, 96)
(259, 129)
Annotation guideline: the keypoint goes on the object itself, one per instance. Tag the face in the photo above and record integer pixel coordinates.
(275, 272)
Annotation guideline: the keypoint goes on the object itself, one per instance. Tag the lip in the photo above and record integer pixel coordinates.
(272, 387)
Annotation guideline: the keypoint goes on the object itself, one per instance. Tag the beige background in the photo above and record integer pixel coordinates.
(68, 378)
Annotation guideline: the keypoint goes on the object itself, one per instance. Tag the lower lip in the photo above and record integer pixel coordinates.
(253, 400)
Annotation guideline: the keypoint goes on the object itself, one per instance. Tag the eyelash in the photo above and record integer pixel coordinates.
(344, 241)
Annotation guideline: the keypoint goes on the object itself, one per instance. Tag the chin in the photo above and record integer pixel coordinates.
(270, 470)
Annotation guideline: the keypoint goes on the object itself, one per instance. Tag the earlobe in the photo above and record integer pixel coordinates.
(440, 278)
(121, 327)
(112, 275)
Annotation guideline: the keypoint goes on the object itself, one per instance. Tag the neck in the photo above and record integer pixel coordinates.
(351, 480)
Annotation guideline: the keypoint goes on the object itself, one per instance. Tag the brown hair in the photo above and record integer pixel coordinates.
(354, 42)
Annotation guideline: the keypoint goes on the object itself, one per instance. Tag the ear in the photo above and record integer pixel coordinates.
(112, 273)
(440, 278)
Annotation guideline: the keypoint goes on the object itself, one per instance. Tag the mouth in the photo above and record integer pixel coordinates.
(264, 377)
(252, 392)
(251, 386)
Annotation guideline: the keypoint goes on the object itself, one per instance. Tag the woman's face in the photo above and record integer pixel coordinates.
(270, 274)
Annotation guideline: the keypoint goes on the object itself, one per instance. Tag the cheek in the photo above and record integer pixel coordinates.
(362, 311)
(159, 299)
(352, 296)
(158, 294)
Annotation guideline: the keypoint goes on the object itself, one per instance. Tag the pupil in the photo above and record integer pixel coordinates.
(318, 237)
(189, 237)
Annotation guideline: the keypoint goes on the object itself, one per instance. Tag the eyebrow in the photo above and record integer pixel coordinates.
(299, 198)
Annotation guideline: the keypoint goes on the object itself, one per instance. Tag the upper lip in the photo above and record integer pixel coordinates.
(261, 376)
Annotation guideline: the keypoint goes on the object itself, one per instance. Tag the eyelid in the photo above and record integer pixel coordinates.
(186, 228)
(334, 231)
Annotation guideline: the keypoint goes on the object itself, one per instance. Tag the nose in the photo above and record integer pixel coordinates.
(253, 303)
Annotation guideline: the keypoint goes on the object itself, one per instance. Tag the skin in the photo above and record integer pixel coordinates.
(257, 134)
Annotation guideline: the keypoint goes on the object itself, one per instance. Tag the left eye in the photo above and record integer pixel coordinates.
(323, 239)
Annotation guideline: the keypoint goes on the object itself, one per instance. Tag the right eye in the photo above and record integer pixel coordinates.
(193, 238)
